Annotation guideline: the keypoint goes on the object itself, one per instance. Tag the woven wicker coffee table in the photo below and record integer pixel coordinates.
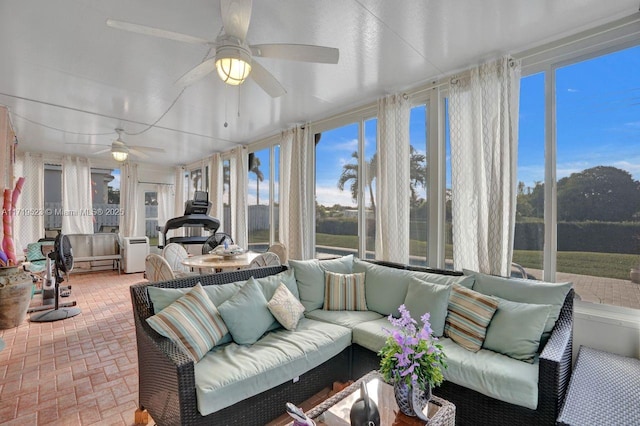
(335, 410)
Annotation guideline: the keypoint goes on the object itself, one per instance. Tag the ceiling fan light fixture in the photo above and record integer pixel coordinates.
(233, 64)
(119, 153)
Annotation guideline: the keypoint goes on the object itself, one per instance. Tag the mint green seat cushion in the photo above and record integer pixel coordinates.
(309, 275)
(423, 296)
(492, 374)
(525, 291)
(516, 328)
(347, 319)
(246, 313)
(231, 373)
(371, 334)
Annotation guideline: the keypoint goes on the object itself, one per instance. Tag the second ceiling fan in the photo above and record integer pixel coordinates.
(234, 57)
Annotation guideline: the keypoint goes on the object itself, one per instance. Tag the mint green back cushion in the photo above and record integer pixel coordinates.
(516, 328)
(422, 297)
(385, 287)
(525, 291)
(246, 313)
(309, 275)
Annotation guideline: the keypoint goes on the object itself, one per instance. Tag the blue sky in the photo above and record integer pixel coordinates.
(598, 123)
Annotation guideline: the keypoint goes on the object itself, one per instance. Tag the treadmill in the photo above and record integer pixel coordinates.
(195, 216)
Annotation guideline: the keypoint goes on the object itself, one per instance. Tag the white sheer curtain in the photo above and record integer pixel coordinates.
(216, 189)
(483, 112)
(393, 190)
(29, 228)
(129, 199)
(179, 199)
(239, 170)
(76, 196)
(296, 200)
(166, 197)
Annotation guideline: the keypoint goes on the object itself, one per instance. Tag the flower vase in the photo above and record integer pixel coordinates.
(411, 401)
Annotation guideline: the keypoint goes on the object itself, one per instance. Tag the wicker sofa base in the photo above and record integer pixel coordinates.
(167, 383)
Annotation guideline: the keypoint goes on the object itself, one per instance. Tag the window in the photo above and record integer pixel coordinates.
(598, 172)
(528, 245)
(52, 198)
(370, 174)
(418, 175)
(337, 191)
(151, 216)
(105, 193)
(258, 203)
(226, 196)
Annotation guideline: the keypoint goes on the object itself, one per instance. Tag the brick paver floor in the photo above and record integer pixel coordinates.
(78, 371)
(609, 291)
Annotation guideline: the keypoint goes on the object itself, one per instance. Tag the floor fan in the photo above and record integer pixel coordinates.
(59, 261)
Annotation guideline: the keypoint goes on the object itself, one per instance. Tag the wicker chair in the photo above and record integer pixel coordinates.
(281, 250)
(265, 259)
(157, 268)
(174, 254)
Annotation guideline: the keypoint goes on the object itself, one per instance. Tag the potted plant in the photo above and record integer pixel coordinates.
(15, 285)
(412, 360)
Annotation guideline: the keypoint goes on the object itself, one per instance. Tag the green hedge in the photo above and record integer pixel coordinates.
(597, 237)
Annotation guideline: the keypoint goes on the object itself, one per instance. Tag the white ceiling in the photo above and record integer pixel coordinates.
(62, 68)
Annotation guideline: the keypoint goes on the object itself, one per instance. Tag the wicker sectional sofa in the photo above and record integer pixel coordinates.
(171, 387)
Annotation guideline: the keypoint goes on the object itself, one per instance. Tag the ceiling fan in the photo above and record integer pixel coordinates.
(234, 58)
(120, 150)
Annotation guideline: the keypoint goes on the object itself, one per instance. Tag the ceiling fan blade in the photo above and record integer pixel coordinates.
(155, 32)
(197, 73)
(146, 148)
(297, 52)
(137, 153)
(102, 151)
(236, 15)
(266, 80)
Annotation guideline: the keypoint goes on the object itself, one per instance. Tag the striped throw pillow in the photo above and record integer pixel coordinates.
(192, 322)
(468, 317)
(344, 292)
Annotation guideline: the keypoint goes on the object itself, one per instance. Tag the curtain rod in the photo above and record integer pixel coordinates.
(155, 183)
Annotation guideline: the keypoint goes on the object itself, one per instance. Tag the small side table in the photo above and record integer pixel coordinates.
(604, 390)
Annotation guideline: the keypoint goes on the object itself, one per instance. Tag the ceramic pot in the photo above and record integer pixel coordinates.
(411, 401)
(16, 289)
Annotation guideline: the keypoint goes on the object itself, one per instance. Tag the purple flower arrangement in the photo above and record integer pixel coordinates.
(412, 354)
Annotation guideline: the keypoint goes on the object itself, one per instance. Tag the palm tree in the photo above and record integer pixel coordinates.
(255, 168)
(417, 173)
(350, 173)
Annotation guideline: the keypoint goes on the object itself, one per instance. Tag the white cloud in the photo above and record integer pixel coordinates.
(631, 165)
(330, 195)
(572, 90)
(634, 124)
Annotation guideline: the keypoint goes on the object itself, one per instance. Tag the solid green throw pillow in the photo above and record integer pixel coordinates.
(246, 313)
(192, 322)
(516, 328)
(422, 297)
